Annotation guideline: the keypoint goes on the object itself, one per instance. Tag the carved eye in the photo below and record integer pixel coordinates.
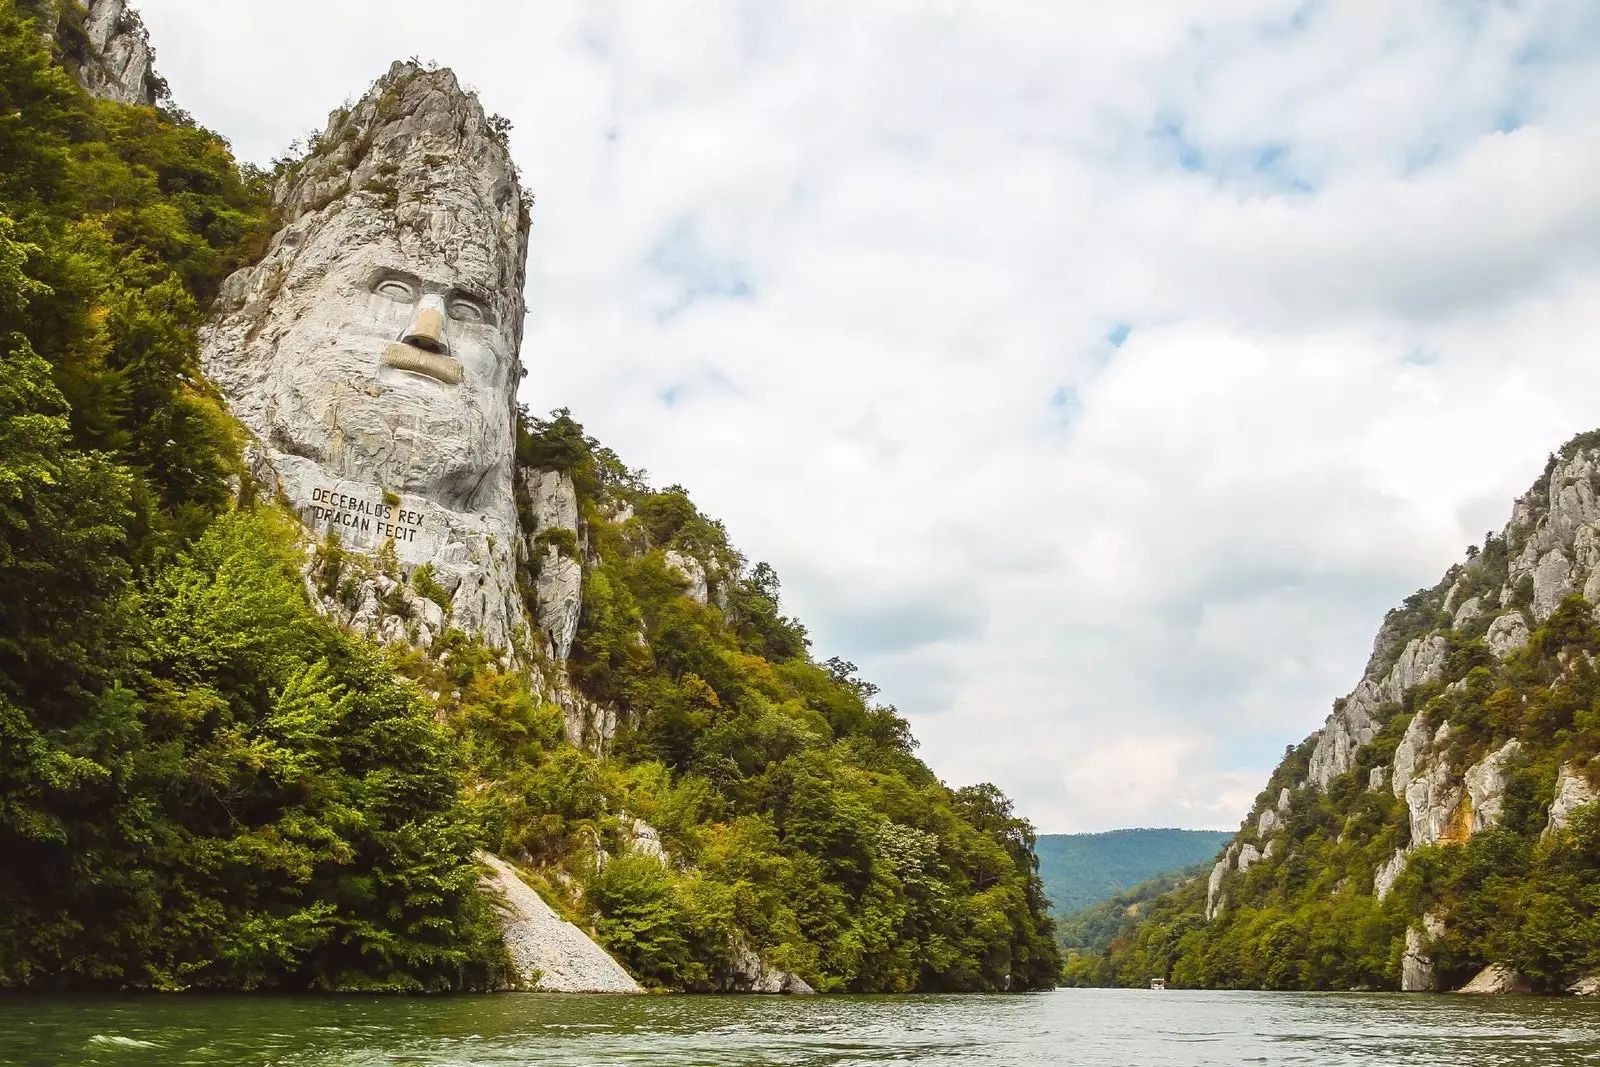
(467, 310)
(395, 289)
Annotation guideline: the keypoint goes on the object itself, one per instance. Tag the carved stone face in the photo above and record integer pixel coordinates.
(397, 371)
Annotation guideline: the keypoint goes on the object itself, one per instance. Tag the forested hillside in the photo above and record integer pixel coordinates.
(1442, 821)
(207, 784)
(1082, 869)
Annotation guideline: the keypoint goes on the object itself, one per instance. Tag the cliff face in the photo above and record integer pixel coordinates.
(1466, 742)
(373, 353)
(107, 45)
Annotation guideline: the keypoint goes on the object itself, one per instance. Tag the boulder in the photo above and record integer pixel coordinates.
(1587, 986)
(550, 954)
(747, 972)
(1495, 979)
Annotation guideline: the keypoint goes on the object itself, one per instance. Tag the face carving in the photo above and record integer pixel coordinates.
(399, 372)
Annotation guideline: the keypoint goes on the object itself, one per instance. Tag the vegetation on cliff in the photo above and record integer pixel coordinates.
(202, 784)
(1513, 888)
(797, 819)
(205, 784)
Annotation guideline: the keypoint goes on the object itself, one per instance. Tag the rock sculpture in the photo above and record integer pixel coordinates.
(373, 352)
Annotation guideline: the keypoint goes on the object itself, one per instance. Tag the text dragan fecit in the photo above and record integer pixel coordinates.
(366, 516)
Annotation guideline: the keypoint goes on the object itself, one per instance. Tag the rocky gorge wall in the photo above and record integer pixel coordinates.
(1443, 720)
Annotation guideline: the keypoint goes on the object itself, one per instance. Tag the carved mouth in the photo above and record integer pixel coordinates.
(411, 358)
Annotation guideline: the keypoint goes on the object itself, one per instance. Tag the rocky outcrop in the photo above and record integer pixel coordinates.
(373, 351)
(1354, 721)
(1587, 986)
(1486, 785)
(1214, 888)
(1507, 634)
(1383, 881)
(691, 571)
(120, 65)
(1573, 791)
(748, 973)
(1497, 978)
(552, 505)
(1416, 965)
(1467, 613)
(550, 954)
(1266, 823)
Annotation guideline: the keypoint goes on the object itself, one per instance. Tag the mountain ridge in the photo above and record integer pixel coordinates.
(1439, 825)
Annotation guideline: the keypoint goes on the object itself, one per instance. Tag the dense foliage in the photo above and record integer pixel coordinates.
(798, 821)
(1093, 930)
(1307, 917)
(202, 784)
(1080, 870)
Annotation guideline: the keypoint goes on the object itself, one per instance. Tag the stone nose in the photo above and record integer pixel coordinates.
(426, 330)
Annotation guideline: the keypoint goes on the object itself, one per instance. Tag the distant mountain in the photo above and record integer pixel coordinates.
(1083, 869)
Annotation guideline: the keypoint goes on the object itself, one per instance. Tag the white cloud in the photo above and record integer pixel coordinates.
(1096, 375)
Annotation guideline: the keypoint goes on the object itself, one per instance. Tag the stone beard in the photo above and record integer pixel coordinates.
(373, 352)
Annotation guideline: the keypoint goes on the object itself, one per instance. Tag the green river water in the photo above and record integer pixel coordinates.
(1124, 1028)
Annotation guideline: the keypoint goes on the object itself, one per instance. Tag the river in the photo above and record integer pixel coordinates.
(1114, 1028)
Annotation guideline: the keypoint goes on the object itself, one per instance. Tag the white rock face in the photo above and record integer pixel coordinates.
(1283, 800)
(119, 68)
(1497, 978)
(553, 498)
(1573, 791)
(1355, 723)
(1213, 887)
(1266, 824)
(1248, 856)
(692, 572)
(373, 351)
(1486, 785)
(1383, 881)
(1416, 966)
(1507, 634)
(558, 587)
(749, 973)
(1552, 581)
(1469, 610)
(540, 941)
(1588, 986)
(643, 839)
(1375, 779)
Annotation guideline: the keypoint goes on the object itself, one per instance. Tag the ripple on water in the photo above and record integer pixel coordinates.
(1086, 1028)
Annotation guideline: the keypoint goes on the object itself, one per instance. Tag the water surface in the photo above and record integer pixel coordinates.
(1094, 1028)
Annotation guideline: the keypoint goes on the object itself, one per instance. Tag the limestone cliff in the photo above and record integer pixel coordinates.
(373, 354)
(1471, 716)
(107, 46)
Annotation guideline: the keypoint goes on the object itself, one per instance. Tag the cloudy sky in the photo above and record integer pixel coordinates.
(1095, 374)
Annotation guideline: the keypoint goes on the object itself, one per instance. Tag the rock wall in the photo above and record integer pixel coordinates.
(1549, 549)
(107, 44)
(373, 354)
(121, 65)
